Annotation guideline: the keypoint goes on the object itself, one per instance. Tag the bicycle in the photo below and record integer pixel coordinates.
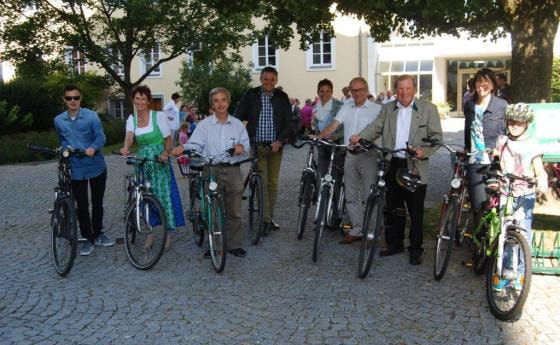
(325, 213)
(498, 234)
(145, 220)
(64, 239)
(255, 197)
(307, 188)
(454, 214)
(373, 216)
(206, 206)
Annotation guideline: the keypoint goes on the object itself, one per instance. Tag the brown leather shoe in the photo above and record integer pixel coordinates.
(350, 239)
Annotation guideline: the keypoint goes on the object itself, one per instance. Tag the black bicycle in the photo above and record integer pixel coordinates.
(64, 239)
(145, 220)
(373, 216)
(254, 197)
(307, 187)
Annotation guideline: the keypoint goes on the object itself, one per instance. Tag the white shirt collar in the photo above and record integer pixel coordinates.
(215, 119)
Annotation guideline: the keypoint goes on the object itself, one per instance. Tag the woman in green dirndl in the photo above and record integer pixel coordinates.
(151, 131)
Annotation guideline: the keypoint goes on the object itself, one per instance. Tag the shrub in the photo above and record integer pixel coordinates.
(38, 101)
(12, 147)
(114, 130)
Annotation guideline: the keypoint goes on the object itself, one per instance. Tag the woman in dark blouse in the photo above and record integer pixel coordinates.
(484, 122)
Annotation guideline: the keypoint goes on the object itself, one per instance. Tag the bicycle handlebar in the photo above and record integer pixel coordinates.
(317, 141)
(368, 145)
(67, 152)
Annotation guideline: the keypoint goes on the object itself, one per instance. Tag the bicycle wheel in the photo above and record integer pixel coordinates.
(445, 237)
(195, 215)
(321, 221)
(145, 232)
(64, 235)
(507, 294)
(373, 222)
(305, 191)
(255, 208)
(216, 235)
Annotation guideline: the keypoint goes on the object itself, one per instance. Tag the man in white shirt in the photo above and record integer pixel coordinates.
(401, 124)
(171, 109)
(360, 169)
(388, 97)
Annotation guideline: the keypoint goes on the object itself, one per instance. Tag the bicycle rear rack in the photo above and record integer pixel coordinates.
(541, 256)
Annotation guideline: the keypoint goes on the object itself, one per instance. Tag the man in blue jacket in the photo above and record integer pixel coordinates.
(80, 128)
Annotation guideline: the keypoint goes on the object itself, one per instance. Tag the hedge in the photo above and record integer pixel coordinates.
(12, 147)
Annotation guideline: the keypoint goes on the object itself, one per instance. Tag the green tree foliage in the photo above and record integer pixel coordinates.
(113, 33)
(197, 79)
(555, 82)
(532, 24)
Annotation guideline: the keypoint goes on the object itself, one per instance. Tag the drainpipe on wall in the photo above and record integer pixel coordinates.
(360, 51)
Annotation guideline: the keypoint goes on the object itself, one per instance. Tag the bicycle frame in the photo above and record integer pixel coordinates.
(327, 181)
(499, 221)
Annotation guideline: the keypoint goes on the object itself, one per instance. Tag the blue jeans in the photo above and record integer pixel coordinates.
(527, 203)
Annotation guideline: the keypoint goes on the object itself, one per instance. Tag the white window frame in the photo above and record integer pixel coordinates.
(157, 73)
(78, 63)
(416, 74)
(117, 67)
(255, 55)
(113, 107)
(321, 66)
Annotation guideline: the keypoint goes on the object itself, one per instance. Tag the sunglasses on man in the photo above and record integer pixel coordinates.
(69, 98)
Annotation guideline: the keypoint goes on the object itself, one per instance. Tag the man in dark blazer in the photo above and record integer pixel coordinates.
(268, 114)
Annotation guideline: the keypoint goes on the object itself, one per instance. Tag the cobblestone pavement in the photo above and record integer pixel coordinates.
(275, 295)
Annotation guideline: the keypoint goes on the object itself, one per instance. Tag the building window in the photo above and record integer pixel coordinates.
(76, 59)
(117, 64)
(321, 53)
(157, 102)
(149, 59)
(264, 53)
(421, 70)
(117, 107)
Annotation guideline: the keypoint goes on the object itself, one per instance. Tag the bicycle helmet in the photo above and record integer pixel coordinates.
(520, 112)
(408, 180)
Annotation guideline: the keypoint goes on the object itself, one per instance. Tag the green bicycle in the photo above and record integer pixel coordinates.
(500, 249)
(206, 211)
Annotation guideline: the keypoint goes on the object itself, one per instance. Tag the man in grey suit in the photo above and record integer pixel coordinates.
(401, 123)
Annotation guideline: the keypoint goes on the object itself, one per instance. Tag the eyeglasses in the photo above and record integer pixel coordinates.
(514, 123)
(357, 90)
(69, 98)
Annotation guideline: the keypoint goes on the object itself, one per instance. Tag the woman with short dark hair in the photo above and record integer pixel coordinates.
(484, 122)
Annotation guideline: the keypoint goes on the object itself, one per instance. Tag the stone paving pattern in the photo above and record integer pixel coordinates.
(275, 295)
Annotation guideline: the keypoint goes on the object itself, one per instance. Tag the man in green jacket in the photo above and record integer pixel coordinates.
(402, 123)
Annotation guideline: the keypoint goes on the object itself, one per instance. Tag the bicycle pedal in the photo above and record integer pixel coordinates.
(467, 263)
(467, 235)
(50, 210)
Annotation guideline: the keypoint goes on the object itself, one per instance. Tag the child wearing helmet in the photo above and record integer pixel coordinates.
(521, 155)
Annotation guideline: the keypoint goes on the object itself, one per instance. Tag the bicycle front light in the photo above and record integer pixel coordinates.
(456, 183)
(213, 186)
(65, 153)
(381, 183)
(328, 178)
(148, 184)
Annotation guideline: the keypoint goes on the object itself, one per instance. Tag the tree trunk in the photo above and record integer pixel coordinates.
(533, 29)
